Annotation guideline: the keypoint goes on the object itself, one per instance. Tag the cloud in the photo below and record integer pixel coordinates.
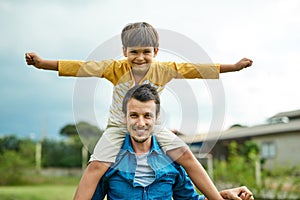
(266, 31)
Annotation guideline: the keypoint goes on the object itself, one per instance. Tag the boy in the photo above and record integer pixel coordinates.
(140, 46)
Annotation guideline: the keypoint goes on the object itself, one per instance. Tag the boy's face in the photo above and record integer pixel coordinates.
(140, 119)
(140, 58)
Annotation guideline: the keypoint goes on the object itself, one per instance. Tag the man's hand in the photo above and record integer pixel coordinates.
(239, 193)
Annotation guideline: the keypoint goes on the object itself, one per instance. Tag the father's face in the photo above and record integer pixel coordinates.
(140, 119)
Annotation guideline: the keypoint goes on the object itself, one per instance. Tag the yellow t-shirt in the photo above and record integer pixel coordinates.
(118, 72)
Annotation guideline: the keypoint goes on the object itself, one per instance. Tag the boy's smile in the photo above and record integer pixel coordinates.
(140, 58)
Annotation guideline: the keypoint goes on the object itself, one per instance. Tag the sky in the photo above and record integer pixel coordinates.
(37, 103)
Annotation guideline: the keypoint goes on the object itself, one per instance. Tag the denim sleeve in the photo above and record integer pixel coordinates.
(184, 188)
(101, 190)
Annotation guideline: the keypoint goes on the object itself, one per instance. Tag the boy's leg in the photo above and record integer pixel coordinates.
(180, 152)
(109, 145)
(104, 154)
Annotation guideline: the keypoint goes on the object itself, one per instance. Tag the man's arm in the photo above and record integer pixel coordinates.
(243, 63)
(90, 178)
(184, 188)
(196, 171)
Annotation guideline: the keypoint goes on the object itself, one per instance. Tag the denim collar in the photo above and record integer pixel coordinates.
(127, 146)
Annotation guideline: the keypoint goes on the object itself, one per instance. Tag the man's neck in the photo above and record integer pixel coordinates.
(141, 148)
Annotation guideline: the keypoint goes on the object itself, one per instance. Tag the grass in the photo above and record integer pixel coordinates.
(42, 188)
(37, 192)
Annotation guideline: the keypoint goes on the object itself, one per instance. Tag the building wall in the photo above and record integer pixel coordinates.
(286, 146)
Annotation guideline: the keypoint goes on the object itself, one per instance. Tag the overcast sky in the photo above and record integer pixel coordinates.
(34, 101)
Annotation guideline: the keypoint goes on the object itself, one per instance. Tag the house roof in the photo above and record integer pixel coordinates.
(244, 132)
(290, 114)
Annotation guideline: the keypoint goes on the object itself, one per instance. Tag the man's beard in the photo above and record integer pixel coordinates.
(140, 140)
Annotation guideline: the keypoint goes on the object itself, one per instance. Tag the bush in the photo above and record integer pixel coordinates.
(12, 168)
(60, 154)
(239, 169)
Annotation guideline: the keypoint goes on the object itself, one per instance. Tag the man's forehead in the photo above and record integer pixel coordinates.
(136, 105)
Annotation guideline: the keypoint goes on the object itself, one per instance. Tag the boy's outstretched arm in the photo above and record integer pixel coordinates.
(89, 180)
(243, 63)
(38, 62)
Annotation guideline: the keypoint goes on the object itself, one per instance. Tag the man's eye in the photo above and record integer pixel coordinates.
(148, 116)
(133, 115)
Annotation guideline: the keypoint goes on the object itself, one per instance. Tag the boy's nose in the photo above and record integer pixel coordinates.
(140, 56)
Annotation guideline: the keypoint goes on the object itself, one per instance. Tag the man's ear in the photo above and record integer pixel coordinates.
(158, 120)
(155, 51)
(124, 52)
(158, 116)
(124, 118)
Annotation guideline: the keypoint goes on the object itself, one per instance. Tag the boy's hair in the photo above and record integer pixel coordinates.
(143, 93)
(139, 34)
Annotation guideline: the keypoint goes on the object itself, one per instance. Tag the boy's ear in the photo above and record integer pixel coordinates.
(124, 52)
(155, 51)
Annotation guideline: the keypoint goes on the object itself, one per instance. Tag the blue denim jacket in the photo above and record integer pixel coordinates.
(171, 179)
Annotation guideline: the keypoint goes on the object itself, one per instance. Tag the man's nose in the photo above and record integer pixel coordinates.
(141, 121)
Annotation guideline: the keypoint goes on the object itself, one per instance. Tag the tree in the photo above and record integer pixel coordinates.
(84, 135)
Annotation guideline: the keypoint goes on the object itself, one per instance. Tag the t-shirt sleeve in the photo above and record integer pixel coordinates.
(195, 70)
(82, 69)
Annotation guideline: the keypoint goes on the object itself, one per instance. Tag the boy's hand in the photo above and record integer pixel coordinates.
(33, 59)
(243, 63)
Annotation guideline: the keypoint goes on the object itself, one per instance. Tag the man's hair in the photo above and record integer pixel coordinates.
(139, 34)
(143, 93)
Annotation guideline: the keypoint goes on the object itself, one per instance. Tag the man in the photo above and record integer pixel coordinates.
(142, 170)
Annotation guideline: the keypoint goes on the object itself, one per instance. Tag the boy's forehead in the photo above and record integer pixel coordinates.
(139, 48)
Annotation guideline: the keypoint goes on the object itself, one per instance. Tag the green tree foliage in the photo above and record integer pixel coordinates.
(18, 155)
(239, 169)
(15, 157)
(60, 154)
(10, 142)
(82, 133)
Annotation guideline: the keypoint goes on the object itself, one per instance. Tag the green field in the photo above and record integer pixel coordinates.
(42, 188)
(36, 192)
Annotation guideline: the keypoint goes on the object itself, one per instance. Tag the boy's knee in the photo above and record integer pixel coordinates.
(181, 153)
